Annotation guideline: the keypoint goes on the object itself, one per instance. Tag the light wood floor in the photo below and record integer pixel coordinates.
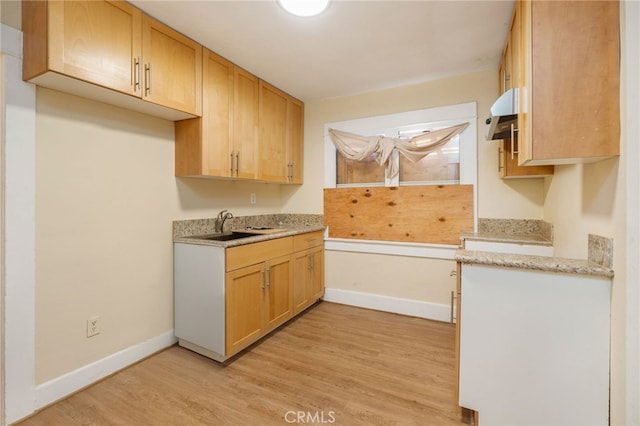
(335, 364)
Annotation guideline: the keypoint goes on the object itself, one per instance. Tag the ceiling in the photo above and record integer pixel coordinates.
(352, 47)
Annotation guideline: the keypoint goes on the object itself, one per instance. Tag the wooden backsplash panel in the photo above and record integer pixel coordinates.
(417, 214)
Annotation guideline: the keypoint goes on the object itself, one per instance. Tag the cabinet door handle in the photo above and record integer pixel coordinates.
(147, 76)
(231, 170)
(237, 162)
(453, 318)
(136, 74)
(264, 278)
(511, 140)
(268, 275)
(512, 144)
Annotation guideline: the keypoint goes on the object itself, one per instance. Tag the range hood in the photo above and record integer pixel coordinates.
(504, 113)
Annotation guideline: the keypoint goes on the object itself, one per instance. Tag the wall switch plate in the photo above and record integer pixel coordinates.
(93, 326)
(252, 198)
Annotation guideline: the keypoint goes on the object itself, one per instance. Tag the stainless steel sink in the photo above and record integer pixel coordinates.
(226, 237)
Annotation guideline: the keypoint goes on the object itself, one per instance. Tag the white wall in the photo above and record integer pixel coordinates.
(18, 138)
(105, 199)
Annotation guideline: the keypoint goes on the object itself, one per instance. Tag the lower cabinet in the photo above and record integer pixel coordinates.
(533, 346)
(258, 299)
(226, 299)
(308, 266)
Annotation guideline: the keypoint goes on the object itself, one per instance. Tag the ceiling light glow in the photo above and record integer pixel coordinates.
(304, 7)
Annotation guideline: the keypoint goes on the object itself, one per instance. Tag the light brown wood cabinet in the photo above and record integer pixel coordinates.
(103, 49)
(308, 264)
(569, 81)
(203, 146)
(221, 143)
(171, 68)
(295, 140)
(227, 298)
(246, 115)
(249, 129)
(258, 299)
(258, 287)
(508, 166)
(510, 75)
(281, 126)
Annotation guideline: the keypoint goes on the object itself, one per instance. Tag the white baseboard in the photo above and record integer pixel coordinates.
(62, 386)
(73, 381)
(414, 308)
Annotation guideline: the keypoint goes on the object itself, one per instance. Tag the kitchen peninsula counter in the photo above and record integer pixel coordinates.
(539, 263)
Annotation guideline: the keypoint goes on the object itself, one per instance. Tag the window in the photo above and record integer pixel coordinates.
(454, 163)
(441, 167)
(451, 164)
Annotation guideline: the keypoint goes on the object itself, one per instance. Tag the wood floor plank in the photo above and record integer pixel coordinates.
(334, 364)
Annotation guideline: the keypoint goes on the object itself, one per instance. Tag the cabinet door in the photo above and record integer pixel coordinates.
(245, 292)
(509, 167)
(301, 286)
(245, 124)
(316, 271)
(278, 302)
(96, 41)
(273, 134)
(217, 110)
(308, 277)
(295, 140)
(457, 345)
(172, 68)
(571, 52)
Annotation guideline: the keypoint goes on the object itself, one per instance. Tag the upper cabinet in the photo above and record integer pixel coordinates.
(204, 145)
(245, 124)
(273, 133)
(281, 126)
(171, 68)
(295, 138)
(249, 129)
(510, 75)
(222, 143)
(569, 81)
(103, 49)
(230, 124)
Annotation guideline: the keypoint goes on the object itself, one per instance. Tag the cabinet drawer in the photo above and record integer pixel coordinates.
(310, 239)
(250, 254)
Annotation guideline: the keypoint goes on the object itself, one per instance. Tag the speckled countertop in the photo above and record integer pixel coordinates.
(539, 263)
(523, 231)
(184, 231)
(515, 231)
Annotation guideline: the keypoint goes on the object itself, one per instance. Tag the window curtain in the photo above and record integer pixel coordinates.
(358, 148)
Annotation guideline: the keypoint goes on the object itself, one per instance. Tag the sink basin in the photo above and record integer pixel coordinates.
(255, 230)
(227, 237)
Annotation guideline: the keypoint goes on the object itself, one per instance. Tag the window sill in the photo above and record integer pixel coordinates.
(432, 251)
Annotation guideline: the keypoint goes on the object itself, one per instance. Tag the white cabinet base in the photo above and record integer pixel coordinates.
(534, 346)
(202, 351)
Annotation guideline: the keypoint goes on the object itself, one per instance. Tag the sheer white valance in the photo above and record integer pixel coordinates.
(358, 148)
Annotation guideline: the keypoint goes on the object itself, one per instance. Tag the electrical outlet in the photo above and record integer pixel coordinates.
(93, 326)
(252, 198)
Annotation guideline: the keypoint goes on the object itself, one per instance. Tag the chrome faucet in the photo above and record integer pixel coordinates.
(222, 217)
